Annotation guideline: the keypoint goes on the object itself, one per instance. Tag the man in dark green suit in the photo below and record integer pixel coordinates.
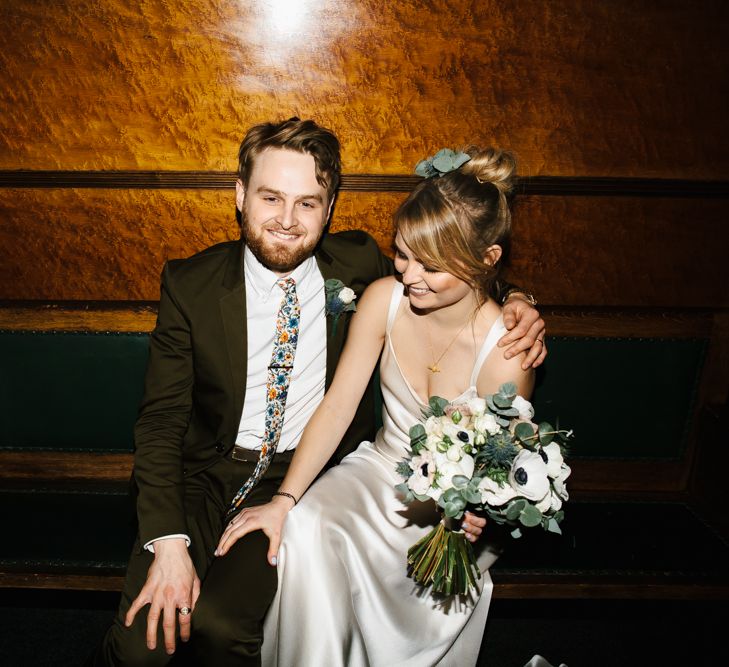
(197, 439)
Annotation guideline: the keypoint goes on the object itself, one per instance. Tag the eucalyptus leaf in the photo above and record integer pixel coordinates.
(425, 169)
(545, 433)
(502, 402)
(553, 526)
(516, 533)
(523, 431)
(472, 496)
(530, 516)
(403, 489)
(417, 434)
(450, 494)
(437, 405)
(460, 481)
(452, 510)
(508, 389)
(459, 502)
(513, 511)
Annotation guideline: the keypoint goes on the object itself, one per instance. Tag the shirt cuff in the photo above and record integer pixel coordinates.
(150, 545)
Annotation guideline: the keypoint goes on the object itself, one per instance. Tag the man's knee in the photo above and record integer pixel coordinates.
(227, 624)
(124, 646)
(222, 641)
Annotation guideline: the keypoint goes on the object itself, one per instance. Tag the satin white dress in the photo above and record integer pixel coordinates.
(344, 597)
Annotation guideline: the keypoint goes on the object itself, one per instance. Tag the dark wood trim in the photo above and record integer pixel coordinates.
(49, 466)
(506, 586)
(589, 477)
(553, 587)
(59, 581)
(571, 186)
(140, 316)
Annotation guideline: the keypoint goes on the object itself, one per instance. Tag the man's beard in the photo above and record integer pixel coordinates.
(277, 258)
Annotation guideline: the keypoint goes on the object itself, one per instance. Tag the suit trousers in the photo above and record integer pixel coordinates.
(236, 591)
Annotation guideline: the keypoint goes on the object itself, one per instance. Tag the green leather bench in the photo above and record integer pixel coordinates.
(75, 395)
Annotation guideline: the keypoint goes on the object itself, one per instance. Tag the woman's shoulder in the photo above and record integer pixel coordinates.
(383, 288)
(497, 369)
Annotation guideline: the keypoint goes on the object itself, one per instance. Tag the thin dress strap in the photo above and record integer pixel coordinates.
(492, 337)
(397, 293)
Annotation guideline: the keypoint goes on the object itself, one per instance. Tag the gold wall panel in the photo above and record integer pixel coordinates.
(575, 87)
(110, 244)
(571, 251)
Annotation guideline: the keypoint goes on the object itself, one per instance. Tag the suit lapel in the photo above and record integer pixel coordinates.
(335, 334)
(233, 315)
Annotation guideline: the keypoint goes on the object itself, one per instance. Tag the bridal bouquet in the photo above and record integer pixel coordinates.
(488, 455)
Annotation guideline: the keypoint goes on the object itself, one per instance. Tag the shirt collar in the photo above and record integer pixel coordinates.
(263, 281)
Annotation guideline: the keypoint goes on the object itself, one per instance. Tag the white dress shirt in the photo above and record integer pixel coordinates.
(308, 377)
(306, 387)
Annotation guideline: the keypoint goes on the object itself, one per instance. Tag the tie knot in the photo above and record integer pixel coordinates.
(288, 285)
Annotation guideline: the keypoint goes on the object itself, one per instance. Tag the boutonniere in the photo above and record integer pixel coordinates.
(339, 299)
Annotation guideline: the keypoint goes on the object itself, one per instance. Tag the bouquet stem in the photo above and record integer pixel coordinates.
(444, 559)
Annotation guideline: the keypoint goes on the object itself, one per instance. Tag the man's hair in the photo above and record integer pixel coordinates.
(302, 136)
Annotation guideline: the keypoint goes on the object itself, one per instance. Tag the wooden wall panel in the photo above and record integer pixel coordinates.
(575, 87)
(627, 251)
(573, 251)
(111, 244)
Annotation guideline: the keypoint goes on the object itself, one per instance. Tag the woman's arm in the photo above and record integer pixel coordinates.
(497, 370)
(330, 421)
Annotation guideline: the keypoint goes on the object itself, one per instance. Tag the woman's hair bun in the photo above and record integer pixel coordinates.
(490, 165)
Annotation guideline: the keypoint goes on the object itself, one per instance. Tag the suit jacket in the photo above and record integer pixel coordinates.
(196, 374)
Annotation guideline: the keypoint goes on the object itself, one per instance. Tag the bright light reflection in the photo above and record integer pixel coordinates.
(287, 16)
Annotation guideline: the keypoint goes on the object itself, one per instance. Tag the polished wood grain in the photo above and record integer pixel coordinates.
(46, 466)
(575, 87)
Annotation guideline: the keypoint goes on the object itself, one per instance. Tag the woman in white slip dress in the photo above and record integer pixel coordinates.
(344, 595)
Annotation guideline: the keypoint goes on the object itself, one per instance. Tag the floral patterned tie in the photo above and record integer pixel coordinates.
(277, 385)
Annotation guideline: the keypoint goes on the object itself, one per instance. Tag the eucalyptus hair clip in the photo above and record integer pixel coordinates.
(444, 161)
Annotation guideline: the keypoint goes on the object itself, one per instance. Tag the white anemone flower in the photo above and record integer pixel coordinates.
(551, 502)
(526, 411)
(559, 482)
(447, 470)
(455, 453)
(487, 422)
(433, 426)
(528, 475)
(495, 494)
(477, 405)
(554, 459)
(457, 433)
(423, 472)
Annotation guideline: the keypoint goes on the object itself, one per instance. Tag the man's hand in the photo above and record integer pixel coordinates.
(172, 584)
(526, 332)
(269, 518)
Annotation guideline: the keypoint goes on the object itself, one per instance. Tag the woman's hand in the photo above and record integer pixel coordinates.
(526, 332)
(473, 526)
(269, 518)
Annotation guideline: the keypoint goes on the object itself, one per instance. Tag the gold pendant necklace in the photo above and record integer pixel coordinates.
(434, 368)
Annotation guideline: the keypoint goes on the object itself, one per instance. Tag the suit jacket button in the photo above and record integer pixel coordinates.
(219, 447)
(184, 471)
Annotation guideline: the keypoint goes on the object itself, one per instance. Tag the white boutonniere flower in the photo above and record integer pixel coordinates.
(338, 299)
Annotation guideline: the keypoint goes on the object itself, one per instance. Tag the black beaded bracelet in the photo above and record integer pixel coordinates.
(287, 495)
